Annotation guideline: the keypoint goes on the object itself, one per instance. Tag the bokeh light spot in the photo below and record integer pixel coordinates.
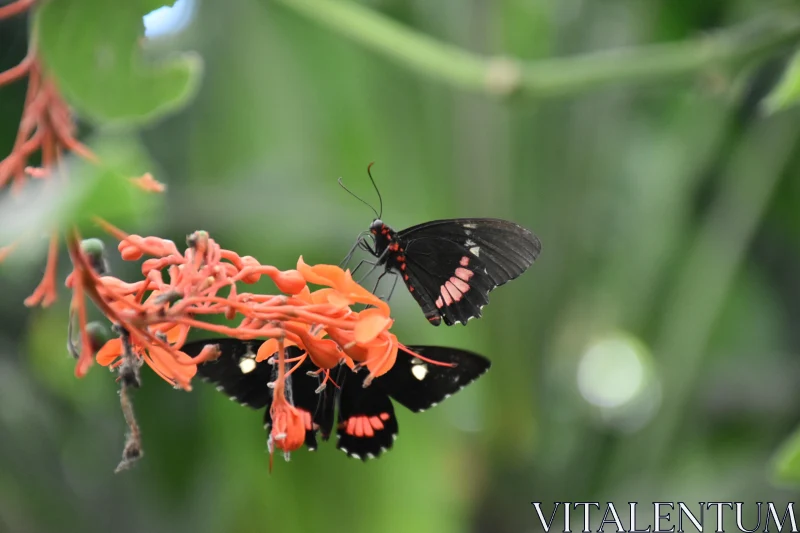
(611, 372)
(168, 20)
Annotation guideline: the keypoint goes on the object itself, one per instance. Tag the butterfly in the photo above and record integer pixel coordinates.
(366, 425)
(449, 266)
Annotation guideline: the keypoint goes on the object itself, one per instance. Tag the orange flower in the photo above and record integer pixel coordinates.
(288, 424)
(342, 281)
(370, 342)
(324, 353)
(160, 360)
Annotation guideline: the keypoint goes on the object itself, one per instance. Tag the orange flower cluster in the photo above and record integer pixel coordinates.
(180, 291)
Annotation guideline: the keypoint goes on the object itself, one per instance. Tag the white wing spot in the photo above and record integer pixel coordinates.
(355, 456)
(247, 365)
(470, 226)
(476, 251)
(419, 371)
(470, 242)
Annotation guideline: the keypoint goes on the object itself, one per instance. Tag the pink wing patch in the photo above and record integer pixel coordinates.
(455, 288)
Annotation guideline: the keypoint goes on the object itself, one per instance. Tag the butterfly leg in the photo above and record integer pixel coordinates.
(349, 256)
(394, 284)
(375, 264)
(364, 262)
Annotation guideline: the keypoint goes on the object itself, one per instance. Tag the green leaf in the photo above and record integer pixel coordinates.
(786, 463)
(787, 92)
(93, 49)
(104, 190)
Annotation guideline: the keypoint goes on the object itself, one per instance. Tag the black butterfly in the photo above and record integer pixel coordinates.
(366, 424)
(450, 266)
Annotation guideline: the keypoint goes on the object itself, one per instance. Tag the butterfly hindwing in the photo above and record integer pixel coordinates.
(504, 248)
(454, 294)
(367, 425)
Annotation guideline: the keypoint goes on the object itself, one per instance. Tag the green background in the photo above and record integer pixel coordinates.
(669, 219)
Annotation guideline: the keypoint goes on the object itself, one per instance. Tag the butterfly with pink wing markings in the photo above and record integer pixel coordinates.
(451, 266)
(366, 425)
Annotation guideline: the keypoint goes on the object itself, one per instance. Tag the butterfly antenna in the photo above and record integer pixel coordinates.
(380, 198)
(354, 195)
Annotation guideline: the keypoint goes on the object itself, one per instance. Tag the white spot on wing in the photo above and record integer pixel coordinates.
(471, 226)
(470, 242)
(476, 251)
(247, 365)
(419, 371)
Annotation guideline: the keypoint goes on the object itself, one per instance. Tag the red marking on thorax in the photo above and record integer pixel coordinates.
(464, 261)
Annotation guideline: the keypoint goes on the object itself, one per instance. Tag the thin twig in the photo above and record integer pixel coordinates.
(133, 444)
(548, 78)
(129, 378)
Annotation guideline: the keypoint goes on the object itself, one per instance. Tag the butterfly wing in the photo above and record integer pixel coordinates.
(236, 374)
(367, 426)
(419, 385)
(453, 265)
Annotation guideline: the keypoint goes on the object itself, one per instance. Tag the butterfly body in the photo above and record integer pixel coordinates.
(363, 417)
(451, 266)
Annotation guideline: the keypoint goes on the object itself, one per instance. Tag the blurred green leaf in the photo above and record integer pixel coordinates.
(787, 92)
(89, 190)
(786, 463)
(93, 48)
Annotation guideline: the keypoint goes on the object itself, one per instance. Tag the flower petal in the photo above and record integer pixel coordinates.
(265, 351)
(324, 353)
(163, 362)
(338, 300)
(371, 323)
(110, 351)
(328, 275)
(381, 357)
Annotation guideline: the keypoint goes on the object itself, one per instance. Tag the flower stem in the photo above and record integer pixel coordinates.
(549, 78)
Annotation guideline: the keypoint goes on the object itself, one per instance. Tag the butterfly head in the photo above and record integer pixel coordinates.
(377, 227)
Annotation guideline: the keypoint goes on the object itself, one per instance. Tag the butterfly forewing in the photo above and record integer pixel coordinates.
(419, 385)
(236, 374)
